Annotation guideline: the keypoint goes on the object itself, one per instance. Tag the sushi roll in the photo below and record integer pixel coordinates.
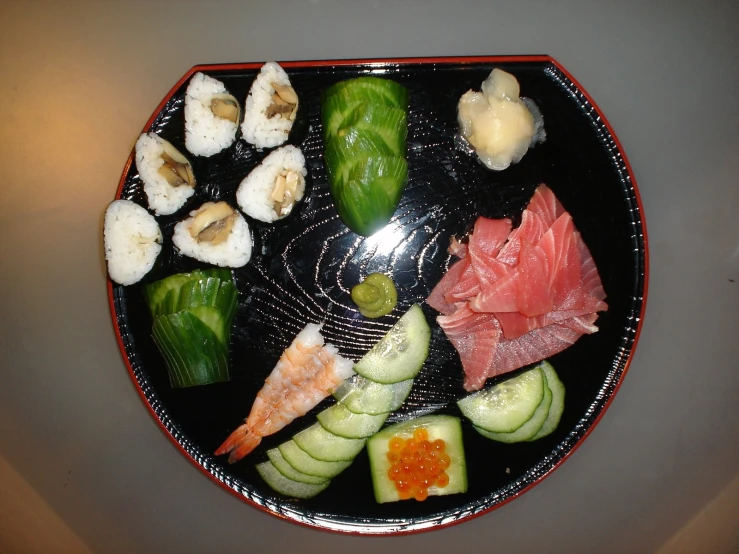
(215, 234)
(273, 188)
(211, 116)
(132, 241)
(270, 108)
(167, 175)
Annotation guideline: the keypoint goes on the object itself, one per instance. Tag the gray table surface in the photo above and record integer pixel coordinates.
(78, 80)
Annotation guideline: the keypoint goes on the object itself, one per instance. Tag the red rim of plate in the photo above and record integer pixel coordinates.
(369, 63)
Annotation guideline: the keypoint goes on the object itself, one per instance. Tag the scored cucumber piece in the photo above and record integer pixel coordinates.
(303, 462)
(340, 421)
(363, 396)
(284, 467)
(506, 406)
(444, 427)
(193, 353)
(400, 354)
(325, 446)
(558, 401)
(215, 321)
(169, 288)
(387, 121)
(286, 486)
(371, 89)
(528, 429)
(349, 147)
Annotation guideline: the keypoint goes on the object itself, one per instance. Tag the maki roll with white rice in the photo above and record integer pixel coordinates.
(167, 175)
(270, 108)
(273, 188)
(211, 116)
(215, 234)
(132, 241)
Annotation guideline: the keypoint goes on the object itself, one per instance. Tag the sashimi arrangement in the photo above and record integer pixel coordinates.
(518, 296)
(515, 297)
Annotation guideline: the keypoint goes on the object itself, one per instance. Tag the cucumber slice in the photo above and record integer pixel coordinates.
(371, 89)
(327, 447)
(363, 396)
(214, 320)
(303, 462)
(558, 401)
(529, 429)
(400, 354)
(286, 486)
(387, 173)
(290, 472)
(193, 353)
(506, 406)
(444, 427)
(340, 421)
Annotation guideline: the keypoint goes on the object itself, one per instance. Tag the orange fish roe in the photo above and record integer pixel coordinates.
(417, 464)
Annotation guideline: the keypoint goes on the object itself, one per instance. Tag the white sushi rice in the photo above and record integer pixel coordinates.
(132, 241)
(235, 251)
(257, 128)
(205, 133)
(254, 192)
(163, 198)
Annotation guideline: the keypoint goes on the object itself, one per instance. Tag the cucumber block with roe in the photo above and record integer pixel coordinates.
(438, 439)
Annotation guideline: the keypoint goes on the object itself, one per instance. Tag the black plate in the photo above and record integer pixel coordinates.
(303, 267)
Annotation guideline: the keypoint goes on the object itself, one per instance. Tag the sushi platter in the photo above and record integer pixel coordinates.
(287, 262)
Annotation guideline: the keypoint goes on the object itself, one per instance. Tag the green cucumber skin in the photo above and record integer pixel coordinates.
(342, 422)
(376, 89)
(505, 407)
(529, 429)
(412, 335)
(558, 401)
(287, 487)
(303, 462)
(363, 396)
(191, 350)
(162, 297)
(446, 427)
(284, 467)
(327, 447)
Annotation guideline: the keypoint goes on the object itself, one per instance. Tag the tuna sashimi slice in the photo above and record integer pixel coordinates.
(545, 205)
(475, 336)
(531, 230)
(514, 324)
(486, 240)
(531, 348)
(450, 279)
(467, 286)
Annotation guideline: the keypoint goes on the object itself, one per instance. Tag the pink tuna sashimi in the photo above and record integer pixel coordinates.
(532, 347)
(531, 230)
(475, 336)
(488, 237)
(467, 286)
(450, 279)
(545, 205)
(514, 324)
(456, 248)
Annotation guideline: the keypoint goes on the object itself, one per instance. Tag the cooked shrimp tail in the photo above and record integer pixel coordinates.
(239, 443)
(306, 373)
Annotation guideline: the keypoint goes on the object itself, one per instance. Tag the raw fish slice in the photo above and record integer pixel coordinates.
(515, 324)
(545, 205)
(591, 282)
(488, 236)
(450, 279)
(531, 348)
(467, 287)
(524, 289)
(532, 228)
(475, 336)
(584, 324)
(559, 245)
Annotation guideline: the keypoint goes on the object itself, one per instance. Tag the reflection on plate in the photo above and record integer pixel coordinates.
(303, 268)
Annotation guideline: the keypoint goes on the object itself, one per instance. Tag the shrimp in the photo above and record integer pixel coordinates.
(306, 373)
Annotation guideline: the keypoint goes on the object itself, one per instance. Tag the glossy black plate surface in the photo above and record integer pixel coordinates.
(303, 267)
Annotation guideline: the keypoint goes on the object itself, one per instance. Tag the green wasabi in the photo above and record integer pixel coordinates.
(375, 296)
